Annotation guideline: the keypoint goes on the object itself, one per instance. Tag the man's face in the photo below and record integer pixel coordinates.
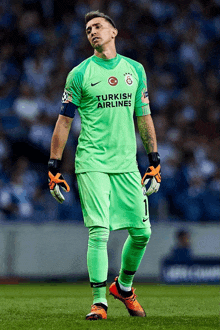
(100, 32)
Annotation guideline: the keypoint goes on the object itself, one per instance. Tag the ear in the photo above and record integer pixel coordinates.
(114, 33)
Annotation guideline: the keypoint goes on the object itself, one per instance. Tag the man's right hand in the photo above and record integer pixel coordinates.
(153, 174)
(56, 180)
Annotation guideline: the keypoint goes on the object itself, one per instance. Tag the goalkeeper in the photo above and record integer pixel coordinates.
(106, 89)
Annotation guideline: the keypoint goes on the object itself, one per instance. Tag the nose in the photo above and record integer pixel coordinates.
(93, 33)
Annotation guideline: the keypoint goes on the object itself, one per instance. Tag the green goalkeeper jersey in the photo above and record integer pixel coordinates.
(106, 93)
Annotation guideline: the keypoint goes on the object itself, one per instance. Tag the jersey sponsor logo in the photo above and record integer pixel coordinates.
(112, 81)
(118, 96)
(95, 83)
(67, 97)
(115, 104)
(114, 100)
(144, 220)
(128, 79)
(144, 97)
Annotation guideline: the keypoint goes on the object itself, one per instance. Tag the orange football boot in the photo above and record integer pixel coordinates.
(98, 312)
(131, 303)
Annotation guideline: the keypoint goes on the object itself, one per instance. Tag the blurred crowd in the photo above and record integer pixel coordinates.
(178, 42)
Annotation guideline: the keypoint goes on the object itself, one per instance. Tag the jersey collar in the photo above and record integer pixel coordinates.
(107, 63)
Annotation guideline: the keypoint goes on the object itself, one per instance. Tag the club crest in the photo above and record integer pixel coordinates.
(128, 79)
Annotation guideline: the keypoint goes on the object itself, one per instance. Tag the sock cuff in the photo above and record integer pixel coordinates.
(98, 285)
(128, 272)
(102, 305)
(125, 294)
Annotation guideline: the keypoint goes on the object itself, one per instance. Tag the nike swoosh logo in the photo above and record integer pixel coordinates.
(144, 220)
(95, 83)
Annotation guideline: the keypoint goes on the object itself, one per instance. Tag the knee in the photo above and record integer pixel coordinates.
(98, 236)
(147, 235)
(141, 237)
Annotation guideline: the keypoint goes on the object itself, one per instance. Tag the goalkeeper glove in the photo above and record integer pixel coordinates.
(153, 174)
(56, 180)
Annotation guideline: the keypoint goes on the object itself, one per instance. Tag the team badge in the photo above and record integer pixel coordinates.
(67, 97)
(112, 81)
(128, 79)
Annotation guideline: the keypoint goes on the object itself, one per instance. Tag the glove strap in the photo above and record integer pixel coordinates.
(154, 159)
(54, 166)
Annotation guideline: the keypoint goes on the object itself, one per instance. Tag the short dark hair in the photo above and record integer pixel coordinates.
(94, 14)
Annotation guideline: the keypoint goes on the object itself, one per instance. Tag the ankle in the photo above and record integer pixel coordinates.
(124, 288)
(124, 293)
(103, 305)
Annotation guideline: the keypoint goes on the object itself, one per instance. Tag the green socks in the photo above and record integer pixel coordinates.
(99, 295)
(132, 254)
(97, 262)
(97, 259)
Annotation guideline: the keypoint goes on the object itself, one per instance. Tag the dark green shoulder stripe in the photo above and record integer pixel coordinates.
(134, 63)
(138, 66)
(75, 76)
(74, 81)
(82, 66)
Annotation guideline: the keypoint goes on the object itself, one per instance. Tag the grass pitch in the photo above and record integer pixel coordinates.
(64, 306)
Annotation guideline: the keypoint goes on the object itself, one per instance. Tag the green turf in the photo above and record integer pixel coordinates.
(64, 306)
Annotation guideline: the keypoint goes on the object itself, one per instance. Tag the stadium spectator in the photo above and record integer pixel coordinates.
(26, 106)
(181, 252)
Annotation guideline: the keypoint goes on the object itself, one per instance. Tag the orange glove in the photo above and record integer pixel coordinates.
(56, 180)
(153, 174)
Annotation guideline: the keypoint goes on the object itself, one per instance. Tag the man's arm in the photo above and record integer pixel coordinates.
(148, 136)
(60, 136)
(147, 133)
(58, 142)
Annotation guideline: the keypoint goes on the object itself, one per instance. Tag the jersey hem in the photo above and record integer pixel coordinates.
(106, 171)
(121, 227)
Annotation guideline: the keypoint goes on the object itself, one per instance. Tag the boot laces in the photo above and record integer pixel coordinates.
(96, 307)
(132, 297)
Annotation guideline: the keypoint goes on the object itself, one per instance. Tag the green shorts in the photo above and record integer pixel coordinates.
(113, 201)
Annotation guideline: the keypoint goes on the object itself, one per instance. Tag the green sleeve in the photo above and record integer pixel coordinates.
(73, 88)
(142, 106)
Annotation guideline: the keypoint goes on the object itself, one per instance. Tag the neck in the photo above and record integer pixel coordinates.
(106, 54)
